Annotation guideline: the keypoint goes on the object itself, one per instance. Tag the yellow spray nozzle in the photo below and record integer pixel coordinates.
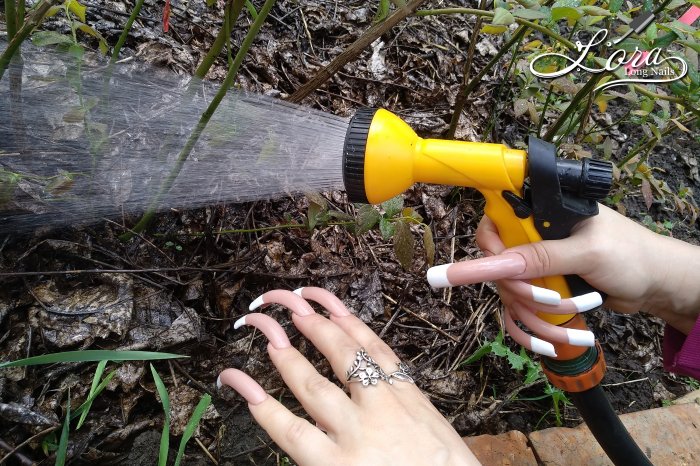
(384, 157)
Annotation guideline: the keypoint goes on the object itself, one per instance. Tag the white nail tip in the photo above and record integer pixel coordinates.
(579, 337)
(257, 303)
(545, 296)
(437, 276)
(218, 383)
(542, 347)
(239, 323)
(299, 291)
(587, 301)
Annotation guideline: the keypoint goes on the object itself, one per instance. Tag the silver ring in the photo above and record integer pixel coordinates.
(365, 370)
(403, 374)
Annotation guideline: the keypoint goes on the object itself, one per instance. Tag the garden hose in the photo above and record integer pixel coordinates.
(530, 195)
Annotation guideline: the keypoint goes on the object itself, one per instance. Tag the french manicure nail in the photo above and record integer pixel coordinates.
(243, 384)
(545, 295)
(268, 326)
(587, 301)
(293, 301)
(437, 276)
(542, 347)
(578, 337)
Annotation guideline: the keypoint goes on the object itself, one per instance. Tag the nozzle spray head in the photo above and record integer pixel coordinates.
(378, 156)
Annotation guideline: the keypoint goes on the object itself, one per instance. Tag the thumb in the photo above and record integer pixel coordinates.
(551, 257)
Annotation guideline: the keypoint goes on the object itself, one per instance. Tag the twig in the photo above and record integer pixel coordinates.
(433, 326)
(353, 51)
(461, 99)
(624, 383)
(15, 449)
(206, 452)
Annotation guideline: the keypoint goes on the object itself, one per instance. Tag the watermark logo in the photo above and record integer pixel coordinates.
(642, 66)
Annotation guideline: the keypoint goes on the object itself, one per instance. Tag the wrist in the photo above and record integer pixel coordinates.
(675, 296)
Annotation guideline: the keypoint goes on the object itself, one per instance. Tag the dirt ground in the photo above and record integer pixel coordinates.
(200, 282)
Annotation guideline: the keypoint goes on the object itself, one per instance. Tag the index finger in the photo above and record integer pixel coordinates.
(487, 237)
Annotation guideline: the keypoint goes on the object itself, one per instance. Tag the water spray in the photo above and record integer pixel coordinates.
(530, 196)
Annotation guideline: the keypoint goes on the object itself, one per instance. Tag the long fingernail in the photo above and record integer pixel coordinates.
(248, 388)
(578, 337)
(437, 276)
(267, 325)
(542, 347)
(296, 303)
(325, 298)
(479, 270)
(545, 295)
(587, 301)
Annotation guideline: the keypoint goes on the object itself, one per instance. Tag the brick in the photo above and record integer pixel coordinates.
(509, 449)
(669, 436)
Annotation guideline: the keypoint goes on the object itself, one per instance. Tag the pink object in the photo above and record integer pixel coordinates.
(296, 303)
(552, 332)
(681, 352)
(523, 339)
(478, 270)
(690, 16)
(639, 60)
(325, 298)
(268, 326)
(243, 384)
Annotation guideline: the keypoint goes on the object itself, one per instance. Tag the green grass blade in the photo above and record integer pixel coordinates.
(63, 443)
(87, 403)
(192, 425)
(165, 436)
(89, 356)
(95, 382)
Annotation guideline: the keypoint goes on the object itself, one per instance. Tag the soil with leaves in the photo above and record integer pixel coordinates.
(179, 286)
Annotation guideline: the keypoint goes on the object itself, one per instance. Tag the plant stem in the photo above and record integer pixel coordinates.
(125, 32)
(10, 18)
(489, 14)
(461, 99)
(21, 7)
(204, 120)
(39, 12)
(580, 95)
(221, 39)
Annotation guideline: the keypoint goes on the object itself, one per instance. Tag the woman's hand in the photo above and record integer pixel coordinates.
(639, 270)
(378, 422)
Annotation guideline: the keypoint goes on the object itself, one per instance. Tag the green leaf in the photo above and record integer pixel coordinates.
(478, 354)
(410, 214)
(43, 38)
(77, 9)
(393, 206)
(210, 2)
(192, 425)
(386, 227)
(314, 214)
(429, 245)
(615, 5)
(515, 360)
(95, 383)
(251, 9)
(665, 40)
(595, 10)
(404, 244)
(502, 16)
(63, 442)
(569, 13)
(693, 45)
(86, 404)
(367, 218)
(526, 13)
(382, 11)
(652, 32)
(90, 355)
(165, 435)
(495, 30)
